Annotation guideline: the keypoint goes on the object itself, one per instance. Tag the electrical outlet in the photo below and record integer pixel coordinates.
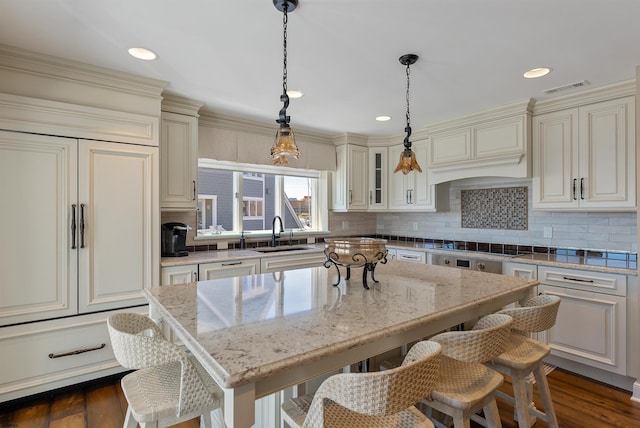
(415, 225)
(345, 224)
(548, 232)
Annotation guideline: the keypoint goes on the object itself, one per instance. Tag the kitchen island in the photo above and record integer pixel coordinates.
(259, 334)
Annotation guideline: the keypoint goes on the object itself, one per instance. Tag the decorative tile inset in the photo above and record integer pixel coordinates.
(501, 208)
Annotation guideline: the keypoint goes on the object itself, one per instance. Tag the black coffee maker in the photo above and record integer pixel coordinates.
(174, 236)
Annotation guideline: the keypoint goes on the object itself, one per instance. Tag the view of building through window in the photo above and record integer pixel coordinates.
(264, 196)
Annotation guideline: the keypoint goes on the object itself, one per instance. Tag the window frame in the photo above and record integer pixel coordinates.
(319, 200)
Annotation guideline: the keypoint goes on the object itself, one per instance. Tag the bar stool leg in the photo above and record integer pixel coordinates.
(545, 394)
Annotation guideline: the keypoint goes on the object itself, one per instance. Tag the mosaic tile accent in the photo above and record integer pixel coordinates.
(495, 208)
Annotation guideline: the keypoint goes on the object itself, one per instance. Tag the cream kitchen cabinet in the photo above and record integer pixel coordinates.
(182, 274)
(179, 161)
(491, 143)
(378, 182)
(591, 327)
(228, 269)
(350, 190)
(411, 256)
(42, 356)
(78, 224)
(584, 157)
(410, 192)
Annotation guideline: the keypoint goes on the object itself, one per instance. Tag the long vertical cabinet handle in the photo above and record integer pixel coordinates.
(194, 190)
(81, 225)
(582, 188)
(575, 181)
(73, 226)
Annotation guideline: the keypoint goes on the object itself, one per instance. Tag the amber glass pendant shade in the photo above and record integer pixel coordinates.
(284, 145)
(408, 162)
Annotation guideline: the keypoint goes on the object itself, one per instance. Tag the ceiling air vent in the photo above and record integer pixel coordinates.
(573, 85)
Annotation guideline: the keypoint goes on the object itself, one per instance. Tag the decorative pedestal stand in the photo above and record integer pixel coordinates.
(357, 260)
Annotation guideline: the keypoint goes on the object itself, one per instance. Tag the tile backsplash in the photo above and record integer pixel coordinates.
(495, 208)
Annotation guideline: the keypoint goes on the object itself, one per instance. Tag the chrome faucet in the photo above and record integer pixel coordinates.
(273, 230)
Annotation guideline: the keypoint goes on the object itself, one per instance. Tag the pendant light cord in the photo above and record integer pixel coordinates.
(407, 143)
(283, 119)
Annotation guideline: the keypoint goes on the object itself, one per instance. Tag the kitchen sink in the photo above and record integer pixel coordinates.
(281, 249)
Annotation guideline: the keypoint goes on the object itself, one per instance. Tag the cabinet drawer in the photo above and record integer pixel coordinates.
(599, 282)
(411, 256)
(277, 264)
(207, 271)
(41, 356)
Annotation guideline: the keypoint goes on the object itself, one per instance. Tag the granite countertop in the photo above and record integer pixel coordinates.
(249, 328)
(594, 261)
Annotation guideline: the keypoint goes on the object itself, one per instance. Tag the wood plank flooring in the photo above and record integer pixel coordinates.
(579, 403)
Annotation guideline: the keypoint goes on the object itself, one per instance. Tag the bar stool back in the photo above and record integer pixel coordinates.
(466, 385)
(371, 400)
(523, 356)
(168, 386)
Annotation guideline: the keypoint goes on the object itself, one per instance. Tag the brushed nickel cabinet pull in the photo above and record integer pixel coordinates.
(81, 225)
(194, 190)
(231, 264)
(73, 226)
(76, 352)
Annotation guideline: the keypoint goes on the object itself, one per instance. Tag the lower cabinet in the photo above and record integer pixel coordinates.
(183, 274)
(298, 261)
(42, 356)
(227, 269)
(411, 256)
(591, 324)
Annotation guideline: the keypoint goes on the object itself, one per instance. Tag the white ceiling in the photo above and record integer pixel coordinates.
(342, 54)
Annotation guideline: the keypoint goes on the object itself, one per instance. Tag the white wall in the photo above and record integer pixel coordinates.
(594, 230)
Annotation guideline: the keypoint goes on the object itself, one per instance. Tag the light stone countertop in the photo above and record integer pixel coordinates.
(569, 262)
(250, 328)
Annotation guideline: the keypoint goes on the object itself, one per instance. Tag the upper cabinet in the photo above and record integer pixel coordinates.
(378, 171)
(350, 190)
(584, 157)
(412, 191)
(491, 143)
(179, 154)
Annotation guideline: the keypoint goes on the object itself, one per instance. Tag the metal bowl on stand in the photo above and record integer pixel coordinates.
(356, 252)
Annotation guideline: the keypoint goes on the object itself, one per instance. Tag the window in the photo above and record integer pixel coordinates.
(235, 197)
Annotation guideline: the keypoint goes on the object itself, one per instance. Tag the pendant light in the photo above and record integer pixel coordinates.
(408, 160)
(285, 142)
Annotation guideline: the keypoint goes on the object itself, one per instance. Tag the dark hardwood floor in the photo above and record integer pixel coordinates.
(579, 403)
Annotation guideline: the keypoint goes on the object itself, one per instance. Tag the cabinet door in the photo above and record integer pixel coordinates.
(357, 178)
(119, 249)
(178, 161)
(411, 191)
(590, 328)
(378, 170)
(228, 269)
(38, 267)
(607, 154)
(555, 160)
(183, 274)
(422, 193)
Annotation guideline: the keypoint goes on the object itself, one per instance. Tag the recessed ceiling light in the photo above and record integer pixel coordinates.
(142, 53)
(537, 72)
(295, 94)
(383, 118)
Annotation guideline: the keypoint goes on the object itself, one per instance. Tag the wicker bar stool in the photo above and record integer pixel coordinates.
(523, 356)
(466, 385)
(168, 386)
(371, 400)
